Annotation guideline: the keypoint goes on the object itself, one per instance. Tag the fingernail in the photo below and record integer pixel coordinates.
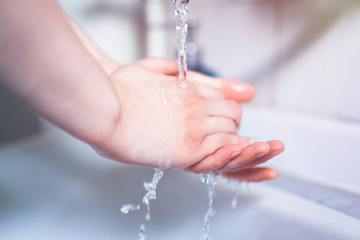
(237, 87)
(272, 175)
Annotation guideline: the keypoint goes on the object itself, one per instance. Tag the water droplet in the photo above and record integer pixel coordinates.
(125, 209)
(205, 178)
(142, 235)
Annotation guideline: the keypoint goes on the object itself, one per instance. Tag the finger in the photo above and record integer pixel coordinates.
(276, 147)
(215, 125)
(160, 65)
(205, 90)
(248, 154)
(213, 142)
(231, 89)
(224, 108)
(216, 159)
(252, 174)
(239, 91)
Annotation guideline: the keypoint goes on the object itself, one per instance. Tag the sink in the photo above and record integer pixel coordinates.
(56, 187)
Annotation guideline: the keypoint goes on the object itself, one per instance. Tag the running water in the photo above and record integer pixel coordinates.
(211, 180)
(235, 185)
(181, 13)
(150, 194)
(150, 188)
(236, 188)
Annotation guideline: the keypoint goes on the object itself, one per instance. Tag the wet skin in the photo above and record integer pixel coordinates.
(134, 113)
(162, 125)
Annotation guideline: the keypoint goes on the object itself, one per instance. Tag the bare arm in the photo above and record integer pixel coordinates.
(43, 62)
(108, 64)
(55, 69)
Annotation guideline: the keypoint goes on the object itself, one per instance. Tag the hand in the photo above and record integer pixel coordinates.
(162, 125)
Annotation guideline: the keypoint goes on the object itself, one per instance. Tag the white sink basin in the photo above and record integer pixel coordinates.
(60, 189)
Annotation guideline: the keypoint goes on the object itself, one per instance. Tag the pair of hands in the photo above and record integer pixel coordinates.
(135, 113)
(163, 125)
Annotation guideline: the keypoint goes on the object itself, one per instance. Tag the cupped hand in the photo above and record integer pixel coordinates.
(163, 125)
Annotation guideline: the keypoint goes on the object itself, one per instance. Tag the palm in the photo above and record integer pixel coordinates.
(156, 119)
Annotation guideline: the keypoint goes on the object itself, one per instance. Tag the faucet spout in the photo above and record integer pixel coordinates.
(180, 2)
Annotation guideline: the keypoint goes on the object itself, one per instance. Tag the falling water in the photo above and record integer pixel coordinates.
(181, 13)
(150, 194)
(236, 188)
(150, 188)
(211, 180)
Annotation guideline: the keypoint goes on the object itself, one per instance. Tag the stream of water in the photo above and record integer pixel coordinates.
(181, 14)
(150, 188)
(150, 194)
(211, 180)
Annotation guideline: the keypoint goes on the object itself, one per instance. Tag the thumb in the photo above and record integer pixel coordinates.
(231, 89)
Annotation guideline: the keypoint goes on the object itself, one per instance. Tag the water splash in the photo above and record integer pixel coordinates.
(150, 188)
(125, 209)
(181, 14)
(211, 180)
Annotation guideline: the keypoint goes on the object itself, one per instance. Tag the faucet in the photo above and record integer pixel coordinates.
(179, 2)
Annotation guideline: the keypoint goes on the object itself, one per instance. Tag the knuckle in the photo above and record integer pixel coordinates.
(230, 126)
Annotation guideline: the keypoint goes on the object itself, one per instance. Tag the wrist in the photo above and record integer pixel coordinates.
(104, 122)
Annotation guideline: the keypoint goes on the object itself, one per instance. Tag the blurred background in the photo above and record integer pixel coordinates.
(303, 57)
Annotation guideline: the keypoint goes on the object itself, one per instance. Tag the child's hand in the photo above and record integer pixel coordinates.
(163, 125)
(136, 113)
